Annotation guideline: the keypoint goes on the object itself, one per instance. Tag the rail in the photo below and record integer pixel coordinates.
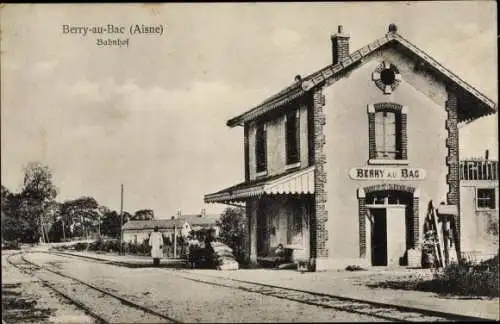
(478, 170)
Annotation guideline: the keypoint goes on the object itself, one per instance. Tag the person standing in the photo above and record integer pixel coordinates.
(193, 248)
(156, 244)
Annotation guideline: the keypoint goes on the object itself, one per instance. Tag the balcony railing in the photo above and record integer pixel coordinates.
(478, 170)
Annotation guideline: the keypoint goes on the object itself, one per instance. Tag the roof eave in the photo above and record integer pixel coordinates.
(308, 83)
(281, 98)
(317, 78)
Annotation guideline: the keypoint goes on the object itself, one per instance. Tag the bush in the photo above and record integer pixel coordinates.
(354, 267)
(112, 245)
(11, 245)
(203, 258)
(81, 246)
(470, 279)
(96, 245)
(232, 231)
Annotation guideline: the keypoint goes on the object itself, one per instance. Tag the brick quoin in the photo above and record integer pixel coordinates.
(404, 137)
(320, 233)
(362, 226)
(371, 135)
(415, 226)
(452, 160)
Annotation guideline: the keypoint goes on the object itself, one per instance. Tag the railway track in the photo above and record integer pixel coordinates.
(102, 305)
(381, 311)
(375, 309)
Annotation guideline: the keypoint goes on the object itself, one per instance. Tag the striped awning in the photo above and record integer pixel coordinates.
(298, 182)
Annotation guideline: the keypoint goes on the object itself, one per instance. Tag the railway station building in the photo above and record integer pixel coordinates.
(341, 165)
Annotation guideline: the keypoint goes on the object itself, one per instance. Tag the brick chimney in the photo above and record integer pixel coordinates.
(340, 46)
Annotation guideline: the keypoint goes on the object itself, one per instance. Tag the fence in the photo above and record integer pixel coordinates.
(478, 170)
(168, 251)
(476, 257)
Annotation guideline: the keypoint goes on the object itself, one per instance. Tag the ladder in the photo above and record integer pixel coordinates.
(438, 241)
(445, 247)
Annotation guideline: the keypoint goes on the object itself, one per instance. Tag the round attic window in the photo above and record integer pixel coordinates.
(386, 77)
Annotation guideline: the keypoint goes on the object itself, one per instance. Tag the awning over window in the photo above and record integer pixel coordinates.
(298, 182)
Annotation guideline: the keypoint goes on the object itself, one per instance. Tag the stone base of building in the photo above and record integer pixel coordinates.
(414, 258)
(324, 264)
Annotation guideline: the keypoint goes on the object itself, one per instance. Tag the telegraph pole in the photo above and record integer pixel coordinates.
(99, 225)
(175, 241)
(121, 222)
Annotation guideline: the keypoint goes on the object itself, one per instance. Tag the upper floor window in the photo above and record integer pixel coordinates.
(486, 198)
(292, 137)
(261, 148)
(387, 133)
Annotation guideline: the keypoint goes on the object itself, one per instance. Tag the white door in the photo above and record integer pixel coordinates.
(396, 234)
(369, 221)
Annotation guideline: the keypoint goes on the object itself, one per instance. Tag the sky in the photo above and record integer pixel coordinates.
(151, 116)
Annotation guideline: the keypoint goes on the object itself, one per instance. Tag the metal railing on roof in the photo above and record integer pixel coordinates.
(478, 169)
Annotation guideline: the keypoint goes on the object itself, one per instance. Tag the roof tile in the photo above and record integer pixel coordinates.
(318, 77)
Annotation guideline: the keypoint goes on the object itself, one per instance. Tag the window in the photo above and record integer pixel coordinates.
(386, 77)
(292, 137)
(486, 198)
(387, 133)
(260, 148)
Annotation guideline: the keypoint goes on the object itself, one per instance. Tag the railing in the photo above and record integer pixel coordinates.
(478, 170)
(476, 257)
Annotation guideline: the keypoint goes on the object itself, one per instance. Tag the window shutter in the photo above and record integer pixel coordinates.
(292, 136)
(261, 148)
(297, 136)
(387, 131)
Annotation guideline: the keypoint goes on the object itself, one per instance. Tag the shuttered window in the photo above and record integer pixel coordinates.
(387, 132)
(387, 135)
(292, 137)
(261, 148)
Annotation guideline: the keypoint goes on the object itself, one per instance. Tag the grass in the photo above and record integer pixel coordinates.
(466, 279)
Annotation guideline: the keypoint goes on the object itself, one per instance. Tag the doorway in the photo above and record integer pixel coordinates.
(379, 236)
(262, 233)
(388, 219)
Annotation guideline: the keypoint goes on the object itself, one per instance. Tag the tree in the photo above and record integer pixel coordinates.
(56, 233)
(28, 216)
(143, 214)
(23, 212)
(51, 214)
(11, 229)
(81, 215)
(5, 196)
(232, 230)
(5, 204)
(38, 183)
(111, 223)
